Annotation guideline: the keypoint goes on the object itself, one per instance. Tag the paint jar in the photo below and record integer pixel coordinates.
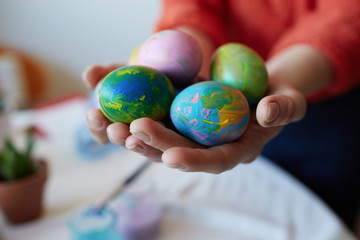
(139, 212)
(94, 225)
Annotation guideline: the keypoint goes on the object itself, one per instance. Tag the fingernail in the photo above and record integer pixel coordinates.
(116, 141)
(180, 167)
(136, 148)
(95, 123)
(142, 136)
(273, 112)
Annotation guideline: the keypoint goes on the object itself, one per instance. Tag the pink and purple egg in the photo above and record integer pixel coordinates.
(174, 53)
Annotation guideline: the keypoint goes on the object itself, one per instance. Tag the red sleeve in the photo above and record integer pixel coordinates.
(334, 29)
(204, 15)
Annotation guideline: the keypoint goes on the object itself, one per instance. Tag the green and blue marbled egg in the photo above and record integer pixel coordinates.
(133, 92)
(242, 68)
(210, 113)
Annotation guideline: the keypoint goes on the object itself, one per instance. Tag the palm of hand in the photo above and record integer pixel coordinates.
(176, 151)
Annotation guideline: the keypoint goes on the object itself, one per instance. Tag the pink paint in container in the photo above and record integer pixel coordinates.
(139, 213)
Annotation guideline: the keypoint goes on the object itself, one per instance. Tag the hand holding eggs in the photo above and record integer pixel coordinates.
(207, 112)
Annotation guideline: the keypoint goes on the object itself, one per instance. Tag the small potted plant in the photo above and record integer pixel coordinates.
(22, 181)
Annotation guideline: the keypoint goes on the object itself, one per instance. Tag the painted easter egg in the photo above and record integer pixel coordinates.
(242, 68)
(133, 59)
(210, 113)
(174, 53)
(133, 92)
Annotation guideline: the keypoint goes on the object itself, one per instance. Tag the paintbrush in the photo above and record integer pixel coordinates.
(121, 187)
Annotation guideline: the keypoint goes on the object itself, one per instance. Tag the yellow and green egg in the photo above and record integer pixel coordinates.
(242, 68)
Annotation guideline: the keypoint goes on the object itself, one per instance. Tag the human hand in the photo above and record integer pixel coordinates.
(284, 104)
(152, 139)
(96, 122)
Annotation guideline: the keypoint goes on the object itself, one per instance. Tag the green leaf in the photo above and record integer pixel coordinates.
(16, 164)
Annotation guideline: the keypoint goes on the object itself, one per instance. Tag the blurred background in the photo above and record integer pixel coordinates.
(52, 42)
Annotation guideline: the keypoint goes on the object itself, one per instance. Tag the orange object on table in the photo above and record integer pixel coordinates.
(34, 76)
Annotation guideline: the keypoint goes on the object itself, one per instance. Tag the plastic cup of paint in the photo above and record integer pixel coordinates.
(139, 213)
(94, 225)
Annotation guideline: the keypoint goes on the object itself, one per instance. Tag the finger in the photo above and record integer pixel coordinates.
(212, 160)
(193, 160)
(222, 157)
(156, 135)
(117, 133)
(97, 124)
(284, 106)
(136, 145)
(112, 67)
(94, 73)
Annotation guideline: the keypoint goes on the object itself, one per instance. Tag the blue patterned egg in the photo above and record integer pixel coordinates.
(210, 113)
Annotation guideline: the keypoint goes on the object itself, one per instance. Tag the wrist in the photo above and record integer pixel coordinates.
(303, 67)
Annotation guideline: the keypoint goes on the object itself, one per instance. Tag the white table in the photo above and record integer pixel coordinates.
(254, 201)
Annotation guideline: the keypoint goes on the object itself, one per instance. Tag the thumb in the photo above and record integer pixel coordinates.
(283, 105)
(94, 73)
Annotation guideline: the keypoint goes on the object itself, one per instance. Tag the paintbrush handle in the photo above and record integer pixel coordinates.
(119, 189)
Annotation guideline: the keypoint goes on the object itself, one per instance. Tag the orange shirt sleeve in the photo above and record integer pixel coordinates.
(334, 29)
(206, 16)
(332, 26)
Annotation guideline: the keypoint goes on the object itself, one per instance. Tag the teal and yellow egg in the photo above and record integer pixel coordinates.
(133, 92)
(210, 113)
(242, 68)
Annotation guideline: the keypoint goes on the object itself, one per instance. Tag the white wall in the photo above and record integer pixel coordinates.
(68, 35)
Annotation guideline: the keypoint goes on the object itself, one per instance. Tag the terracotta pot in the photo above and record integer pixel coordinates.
(22, 200)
